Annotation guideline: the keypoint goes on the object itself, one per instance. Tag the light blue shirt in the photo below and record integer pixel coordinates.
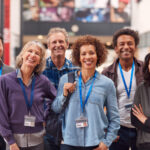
(101, 127)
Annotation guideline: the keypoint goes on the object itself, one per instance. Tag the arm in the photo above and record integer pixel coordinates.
(50, 96)
(101, 146)
(112, 14)
(60, 98)
(5, 129)
(63, 90)
(112, 115)
(14, 147)
(137, 112)
(147, 122)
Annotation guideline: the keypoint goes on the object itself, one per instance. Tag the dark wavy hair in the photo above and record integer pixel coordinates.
(146, 71)
(126, 31)
(88, 40)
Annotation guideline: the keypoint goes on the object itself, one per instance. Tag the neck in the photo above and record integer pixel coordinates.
(26, 74)
(58, 61)
(126, 65)
(87, 74)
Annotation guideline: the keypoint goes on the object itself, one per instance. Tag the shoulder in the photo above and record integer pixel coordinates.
(68, 62)
(42, 77)
(104, 79)
(48, 59)
(48, 62)
(7, 69)
(110, 69)
(69, 65)
(141, 86)
(8, 77)
(64, 77)
(138, 62)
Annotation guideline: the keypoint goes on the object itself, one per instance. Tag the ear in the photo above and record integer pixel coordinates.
(48, 46)
(67, 45)
(116, 49)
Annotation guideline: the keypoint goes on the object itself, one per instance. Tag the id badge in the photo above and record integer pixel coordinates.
(81, 122)
(128, 106)
(29, 121)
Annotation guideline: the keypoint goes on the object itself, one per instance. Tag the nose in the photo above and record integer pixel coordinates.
(57, 43)
(87, 56)
(33, 54)
(126, 46)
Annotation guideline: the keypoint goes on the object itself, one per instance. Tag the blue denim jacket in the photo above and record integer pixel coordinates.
(101, 127)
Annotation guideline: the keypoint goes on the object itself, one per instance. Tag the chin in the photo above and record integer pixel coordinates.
(89, 68)
(31, 65)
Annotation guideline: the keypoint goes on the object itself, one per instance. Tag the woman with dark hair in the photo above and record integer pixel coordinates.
(140, 115)
(85, 125)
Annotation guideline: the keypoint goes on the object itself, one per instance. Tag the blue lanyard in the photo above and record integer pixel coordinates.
(0, 70)
(131, 77)
(28, 104)
(89, 92)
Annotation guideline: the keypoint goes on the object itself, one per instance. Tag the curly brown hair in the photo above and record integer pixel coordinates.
(88, 40)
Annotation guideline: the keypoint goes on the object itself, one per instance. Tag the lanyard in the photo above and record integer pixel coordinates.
(0, 71)
(124, 82)
(89, 92)
(28, 104)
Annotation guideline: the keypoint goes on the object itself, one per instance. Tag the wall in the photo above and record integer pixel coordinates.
(14, 28)
(140, 15)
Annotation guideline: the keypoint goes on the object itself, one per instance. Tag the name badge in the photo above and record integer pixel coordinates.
(81, 122)
(128, 107)
(29, 121)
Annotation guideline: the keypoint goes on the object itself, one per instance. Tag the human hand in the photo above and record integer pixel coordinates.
(69, 87)
(117, 138)
(101, 146)
(44, 124)
(14, 147)
(138, 112)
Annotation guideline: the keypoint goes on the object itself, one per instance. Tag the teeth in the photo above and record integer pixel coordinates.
(88, 62)
(58, 48)
(30, 60)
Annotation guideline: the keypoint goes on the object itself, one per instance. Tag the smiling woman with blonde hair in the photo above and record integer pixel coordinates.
(22, 94)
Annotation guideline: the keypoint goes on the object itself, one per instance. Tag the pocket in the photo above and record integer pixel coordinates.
(97, 97)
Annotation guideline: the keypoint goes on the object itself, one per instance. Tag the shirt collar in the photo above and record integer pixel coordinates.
(50, 63)
(19, 76)
(98, 75)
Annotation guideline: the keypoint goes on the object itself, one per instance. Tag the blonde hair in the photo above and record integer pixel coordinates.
(57, 30)
(39, 68)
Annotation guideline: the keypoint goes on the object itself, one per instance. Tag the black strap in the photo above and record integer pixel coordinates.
(71, 79)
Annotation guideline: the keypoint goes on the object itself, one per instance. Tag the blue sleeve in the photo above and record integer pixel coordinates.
(60, 99)
(112, 115)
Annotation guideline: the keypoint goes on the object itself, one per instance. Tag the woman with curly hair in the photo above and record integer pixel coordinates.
(85, 125)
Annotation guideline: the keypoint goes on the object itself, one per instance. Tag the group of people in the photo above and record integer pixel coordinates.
(39, 85)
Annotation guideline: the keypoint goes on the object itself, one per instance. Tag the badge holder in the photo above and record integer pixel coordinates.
(29, 121)
(81, 122)
(128, 107)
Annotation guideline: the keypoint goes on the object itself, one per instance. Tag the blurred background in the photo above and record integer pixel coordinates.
(25, 20)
